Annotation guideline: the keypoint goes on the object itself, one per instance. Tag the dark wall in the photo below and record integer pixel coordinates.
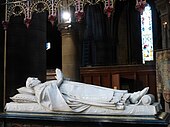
(120, 34)
(26, 54)
(111, 40)
(116, 40)
(134, 32)
(54, 53)
(95, 39)
(2, 13)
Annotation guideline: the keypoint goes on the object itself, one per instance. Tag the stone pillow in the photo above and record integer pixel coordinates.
(24, 98)
(25, 90)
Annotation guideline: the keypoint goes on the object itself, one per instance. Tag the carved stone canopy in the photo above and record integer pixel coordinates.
(53, 7)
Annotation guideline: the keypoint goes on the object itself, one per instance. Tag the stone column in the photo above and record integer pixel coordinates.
(70, 59)
(163, 6)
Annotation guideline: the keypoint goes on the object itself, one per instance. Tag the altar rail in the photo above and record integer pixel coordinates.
(131, 77)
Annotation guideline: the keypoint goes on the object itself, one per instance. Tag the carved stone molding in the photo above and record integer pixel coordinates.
(65, 28)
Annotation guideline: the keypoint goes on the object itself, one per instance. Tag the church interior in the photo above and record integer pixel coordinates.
(118, 44)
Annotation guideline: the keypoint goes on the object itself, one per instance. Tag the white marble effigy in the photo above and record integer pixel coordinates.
(69, 96)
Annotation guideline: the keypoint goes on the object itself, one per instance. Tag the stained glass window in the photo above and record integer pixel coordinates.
(147, 34)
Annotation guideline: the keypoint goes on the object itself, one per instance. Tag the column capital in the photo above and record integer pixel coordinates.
(62, 26)
(65, 27)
